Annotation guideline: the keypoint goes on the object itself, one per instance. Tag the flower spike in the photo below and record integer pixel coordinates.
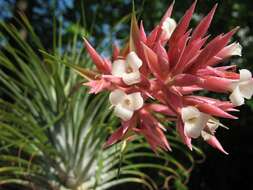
(157, 77)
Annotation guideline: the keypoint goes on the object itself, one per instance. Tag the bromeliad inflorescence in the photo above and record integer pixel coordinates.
(161, 72)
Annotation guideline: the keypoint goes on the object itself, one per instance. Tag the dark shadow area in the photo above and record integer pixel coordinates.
(233, 171)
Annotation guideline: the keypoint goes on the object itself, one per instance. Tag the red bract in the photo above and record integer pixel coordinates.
(156, 76)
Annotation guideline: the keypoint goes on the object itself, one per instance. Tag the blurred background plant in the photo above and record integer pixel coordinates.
(45, 120)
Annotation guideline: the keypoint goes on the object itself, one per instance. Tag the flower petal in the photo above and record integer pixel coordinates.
(194, 121)
(131, 78)
(136, 100)
(236, 97)
(232, 49)
(210, 129)
(212, 125)
(245, 75)
(194, 127)
(246, 89)
(206, 136)
(169, 26)
(116, 97)
(118, 68)
(133, 61)
(189, 112)
(123, 113)
(237, 49)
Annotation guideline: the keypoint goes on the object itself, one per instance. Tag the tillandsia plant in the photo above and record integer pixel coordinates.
(156, 77)
(52, 134)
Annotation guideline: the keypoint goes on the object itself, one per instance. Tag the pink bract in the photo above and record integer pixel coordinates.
(172, 73)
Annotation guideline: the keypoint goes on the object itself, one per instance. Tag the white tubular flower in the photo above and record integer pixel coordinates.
(242, 89)
(234, 49)
(168, 27)
(194, 121)
(128, 69)
(210, 129)
(125, 104)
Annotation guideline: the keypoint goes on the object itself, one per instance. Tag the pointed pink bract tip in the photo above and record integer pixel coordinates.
(214, 142)
(190, 147)
(168, 11)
